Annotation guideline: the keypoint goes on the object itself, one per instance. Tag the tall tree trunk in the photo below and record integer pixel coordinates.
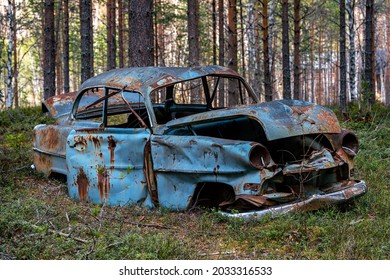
(111, 34)
(141, 47)
(57, 33)
(243, 66)
(369, 49)
(49, 51)
(320, 87)
(254, 61)
(221, 54)
(214, 8)
(121, 46)
(387, 69)
(159, 38)
(343, 60)
(232, 51)
(86, 39)
(193, 42)
(312, 68)
(286, 52)
(266, 57)
(272, 35)
(16, 72)
(193, 32)
(10, 15)
(297, 55)
(350, 8)
(66, 46)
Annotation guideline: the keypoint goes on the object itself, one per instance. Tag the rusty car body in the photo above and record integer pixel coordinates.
(168, 137)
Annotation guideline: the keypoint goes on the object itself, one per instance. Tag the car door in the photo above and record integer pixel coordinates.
(105, 164)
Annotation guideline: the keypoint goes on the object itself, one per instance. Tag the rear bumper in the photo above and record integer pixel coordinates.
(313, 202)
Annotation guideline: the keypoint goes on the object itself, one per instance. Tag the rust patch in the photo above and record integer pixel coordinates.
(59, 101)
(103, 182)
(111, 148)
(217, 146)
(49, 138)
(42, 163)
(95, 141)
(89, 130)
(252, 187)
(82, 184)
(80, 140)
(328, 118)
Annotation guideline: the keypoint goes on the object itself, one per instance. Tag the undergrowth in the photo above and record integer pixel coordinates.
(39, 221)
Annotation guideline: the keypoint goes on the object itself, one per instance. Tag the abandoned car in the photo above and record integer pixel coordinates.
(180, 137)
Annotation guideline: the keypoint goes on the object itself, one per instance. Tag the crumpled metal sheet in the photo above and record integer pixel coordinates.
(317, 161)
(312, 202)
(246, 202)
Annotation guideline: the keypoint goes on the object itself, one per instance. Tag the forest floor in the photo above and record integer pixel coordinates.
(39, 221)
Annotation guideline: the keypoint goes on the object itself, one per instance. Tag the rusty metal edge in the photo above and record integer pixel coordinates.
(317, 200)
(48, 153)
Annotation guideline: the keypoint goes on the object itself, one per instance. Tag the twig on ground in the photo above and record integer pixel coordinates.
(67, 235)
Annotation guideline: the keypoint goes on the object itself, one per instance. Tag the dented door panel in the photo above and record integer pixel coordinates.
(106, 165)
(182, 162)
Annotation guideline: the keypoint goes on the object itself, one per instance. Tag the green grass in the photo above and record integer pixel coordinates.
(39, 221)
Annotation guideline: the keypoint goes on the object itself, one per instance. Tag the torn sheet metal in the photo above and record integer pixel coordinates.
(313, 202)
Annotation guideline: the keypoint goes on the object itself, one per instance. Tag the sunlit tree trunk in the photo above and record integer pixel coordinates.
(121, 47)
(59, 75)
(350, 8)
(272, 35)
(266, 57)
(343, 60)
(297, 55)
(312, 68)
(193, 42)
(387, 69)
(254, 40)
(286, 52)
(49, 51)
(66, 46)
(232, 50)
(15, 68)
(221, 54)
(319, 87)
(214, 31)
(9, 97)
(242, 54)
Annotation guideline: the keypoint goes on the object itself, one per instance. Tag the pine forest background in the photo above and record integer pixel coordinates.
(331, 52)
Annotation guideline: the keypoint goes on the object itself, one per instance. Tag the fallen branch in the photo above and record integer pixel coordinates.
(144, 225)
(67, 235)
(217, 253)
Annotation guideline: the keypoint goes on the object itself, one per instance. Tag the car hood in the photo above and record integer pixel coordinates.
(279, 118)
(58, 105)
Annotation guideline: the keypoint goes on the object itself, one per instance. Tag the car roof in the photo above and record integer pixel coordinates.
(146, 79)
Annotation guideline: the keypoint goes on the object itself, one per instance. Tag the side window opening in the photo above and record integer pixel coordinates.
(125, 109)
(198, 95)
